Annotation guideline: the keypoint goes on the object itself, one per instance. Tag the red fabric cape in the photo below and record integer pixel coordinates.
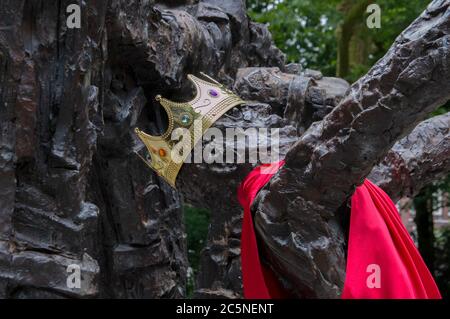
(382, 262)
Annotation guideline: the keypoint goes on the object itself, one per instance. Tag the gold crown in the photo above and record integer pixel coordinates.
(212, 100)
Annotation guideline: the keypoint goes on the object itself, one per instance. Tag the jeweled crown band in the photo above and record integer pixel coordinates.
(212, 100)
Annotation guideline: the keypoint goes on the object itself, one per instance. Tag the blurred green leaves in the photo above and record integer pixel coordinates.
(197, 223)
(306, 29)
(303, 29)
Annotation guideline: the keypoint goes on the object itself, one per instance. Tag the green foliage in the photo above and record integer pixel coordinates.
(357, 71)
(303, 29)
(396, 16)
(442, 110)
(433, 192)
(197, 223)
(306, 29)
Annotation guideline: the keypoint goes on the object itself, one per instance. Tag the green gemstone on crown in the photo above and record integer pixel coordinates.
(185, 119)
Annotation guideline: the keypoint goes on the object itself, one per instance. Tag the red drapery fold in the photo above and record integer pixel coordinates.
(382, 262)
(258, 281)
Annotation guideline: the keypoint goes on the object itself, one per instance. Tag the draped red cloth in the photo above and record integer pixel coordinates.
(382, 261)
(258, 281)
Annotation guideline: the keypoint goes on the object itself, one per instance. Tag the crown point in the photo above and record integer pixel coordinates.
(158, 98)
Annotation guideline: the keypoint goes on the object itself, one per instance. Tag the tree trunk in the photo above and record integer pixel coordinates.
(416, 160)
(353, 16)
(423, 205)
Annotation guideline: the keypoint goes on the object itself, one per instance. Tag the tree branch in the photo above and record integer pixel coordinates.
(416, 160)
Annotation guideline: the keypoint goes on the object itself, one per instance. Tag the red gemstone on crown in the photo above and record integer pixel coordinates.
(162, 152)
